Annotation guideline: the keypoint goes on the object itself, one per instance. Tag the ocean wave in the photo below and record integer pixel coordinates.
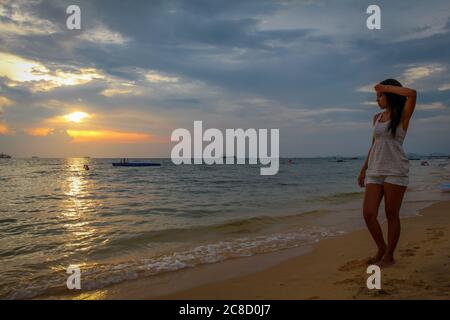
(228, 228)
(337, 198)
(8, 220)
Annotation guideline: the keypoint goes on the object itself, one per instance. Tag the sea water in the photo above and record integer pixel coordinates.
(123, 223)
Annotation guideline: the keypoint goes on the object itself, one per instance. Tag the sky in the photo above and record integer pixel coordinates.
(137, 70)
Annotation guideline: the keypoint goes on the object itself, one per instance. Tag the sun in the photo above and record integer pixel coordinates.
(76, 116)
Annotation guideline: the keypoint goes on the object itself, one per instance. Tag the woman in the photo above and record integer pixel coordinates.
(385, 171)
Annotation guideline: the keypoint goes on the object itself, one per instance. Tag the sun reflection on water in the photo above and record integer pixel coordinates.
(79, 206)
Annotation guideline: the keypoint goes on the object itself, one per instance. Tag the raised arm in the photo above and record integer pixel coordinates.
(411, 96)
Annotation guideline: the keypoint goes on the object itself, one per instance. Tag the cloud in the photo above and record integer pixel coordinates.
(5, 130)
(41, 77)
(118, 87)
(156, 77)
(412, 74)
(5, 102)
(444, 87)
(16, 20)
(38, 132)
(103, 35)
(366, 88)
(440, 119)
(431, 106)
(116, 91)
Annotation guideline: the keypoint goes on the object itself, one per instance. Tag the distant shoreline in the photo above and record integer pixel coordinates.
(411, 156)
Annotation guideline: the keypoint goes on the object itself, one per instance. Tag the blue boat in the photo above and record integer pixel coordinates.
(135, 164)
(126, 163)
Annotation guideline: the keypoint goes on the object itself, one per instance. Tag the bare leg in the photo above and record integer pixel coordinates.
(393, 197)
(372, 199)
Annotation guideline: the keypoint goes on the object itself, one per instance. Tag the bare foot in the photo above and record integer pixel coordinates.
(385, 262)
(377, 257)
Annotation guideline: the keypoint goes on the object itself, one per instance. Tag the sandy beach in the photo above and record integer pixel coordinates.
(334, 269)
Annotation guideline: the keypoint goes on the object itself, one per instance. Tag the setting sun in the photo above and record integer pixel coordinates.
(76, 116)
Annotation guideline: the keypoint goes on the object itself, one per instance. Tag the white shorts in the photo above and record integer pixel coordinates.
(398, 180)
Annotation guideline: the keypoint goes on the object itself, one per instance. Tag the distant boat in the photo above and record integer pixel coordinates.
(34, 157)
(136, 164)
(126, 163)
(4, 156)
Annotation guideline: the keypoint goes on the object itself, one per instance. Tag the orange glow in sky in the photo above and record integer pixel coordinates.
(38, 132)
(108, 136)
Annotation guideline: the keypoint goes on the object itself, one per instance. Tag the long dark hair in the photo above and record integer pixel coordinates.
(395, 103)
